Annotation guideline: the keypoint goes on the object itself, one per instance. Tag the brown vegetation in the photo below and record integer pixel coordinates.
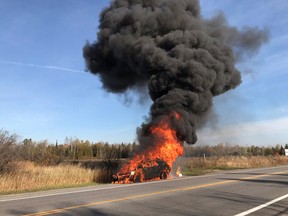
(7, 151)
(103, 175)
(197, 166)
(30, 177)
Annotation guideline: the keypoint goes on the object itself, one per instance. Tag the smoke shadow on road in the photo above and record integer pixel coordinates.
(87, 211)
(258, 174)
(262, 181)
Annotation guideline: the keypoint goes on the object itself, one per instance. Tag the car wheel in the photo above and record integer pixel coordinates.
(163, 175)
(137, 178)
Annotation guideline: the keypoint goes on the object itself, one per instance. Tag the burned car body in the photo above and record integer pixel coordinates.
(146, 170)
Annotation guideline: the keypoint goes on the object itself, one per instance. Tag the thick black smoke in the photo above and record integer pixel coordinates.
(166, 45)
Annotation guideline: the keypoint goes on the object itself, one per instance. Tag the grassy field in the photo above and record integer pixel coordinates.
(199, 166)
(31, 177)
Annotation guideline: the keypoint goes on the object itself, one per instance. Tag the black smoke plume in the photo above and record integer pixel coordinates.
(166, 45)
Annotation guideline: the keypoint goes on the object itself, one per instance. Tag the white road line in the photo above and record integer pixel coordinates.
(262, 206)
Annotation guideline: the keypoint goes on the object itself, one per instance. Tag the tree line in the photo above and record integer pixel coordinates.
(74, 149)
(233, 150)
(13, 149)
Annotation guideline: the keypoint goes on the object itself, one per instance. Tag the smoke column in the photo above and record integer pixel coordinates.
(169, 48)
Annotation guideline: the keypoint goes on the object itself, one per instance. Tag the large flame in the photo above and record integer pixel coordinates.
(166, 146)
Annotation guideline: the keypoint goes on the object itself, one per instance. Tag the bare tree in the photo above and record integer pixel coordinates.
(110, 156)
(8, 155)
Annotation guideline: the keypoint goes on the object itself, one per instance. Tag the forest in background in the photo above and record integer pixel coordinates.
(42, 152)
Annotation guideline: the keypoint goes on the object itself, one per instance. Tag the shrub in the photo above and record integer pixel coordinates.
(103, 175)
(7, 151)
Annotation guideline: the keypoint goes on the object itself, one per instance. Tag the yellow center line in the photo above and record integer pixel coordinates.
(49, 212)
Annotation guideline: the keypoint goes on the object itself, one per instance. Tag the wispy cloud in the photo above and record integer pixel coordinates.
(42, 66)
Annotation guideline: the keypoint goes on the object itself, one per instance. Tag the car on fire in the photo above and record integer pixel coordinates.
(146, 170)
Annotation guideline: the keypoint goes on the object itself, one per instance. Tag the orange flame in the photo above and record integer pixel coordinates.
(167, 147)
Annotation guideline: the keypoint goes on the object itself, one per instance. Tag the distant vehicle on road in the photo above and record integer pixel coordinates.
(146, 170)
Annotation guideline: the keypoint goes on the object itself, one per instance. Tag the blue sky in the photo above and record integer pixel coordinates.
(46, 94)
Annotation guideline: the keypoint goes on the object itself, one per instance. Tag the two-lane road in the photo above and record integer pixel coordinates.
(246, 192)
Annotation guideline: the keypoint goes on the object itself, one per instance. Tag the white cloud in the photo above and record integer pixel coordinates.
(267, 132)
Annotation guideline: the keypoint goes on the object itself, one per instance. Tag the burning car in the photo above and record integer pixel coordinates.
(146, 170)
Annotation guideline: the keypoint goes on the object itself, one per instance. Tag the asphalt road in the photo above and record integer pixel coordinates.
(244, 192)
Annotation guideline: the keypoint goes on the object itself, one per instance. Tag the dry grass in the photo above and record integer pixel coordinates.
(197, 166)
(103, 175)
(32, 177)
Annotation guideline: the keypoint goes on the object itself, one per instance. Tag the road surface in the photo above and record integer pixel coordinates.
(245, 192)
